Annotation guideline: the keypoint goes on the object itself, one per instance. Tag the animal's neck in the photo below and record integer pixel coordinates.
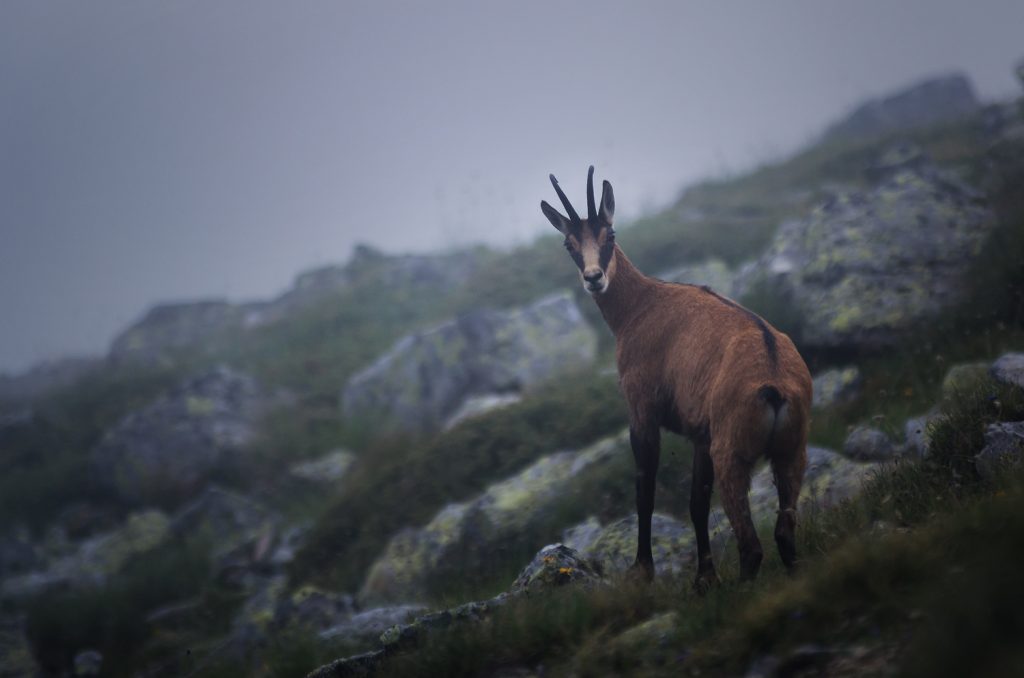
(625, 298)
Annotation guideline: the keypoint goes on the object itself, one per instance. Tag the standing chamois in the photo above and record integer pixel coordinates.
(700, 365)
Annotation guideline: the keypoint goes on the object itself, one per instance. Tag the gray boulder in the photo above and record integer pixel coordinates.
(836, 386)
(867, 267)
(424, 378)
(1009, 369)
(462, 536)
(942, 99)
(869, 444)
(165, 451)
(1004, 447)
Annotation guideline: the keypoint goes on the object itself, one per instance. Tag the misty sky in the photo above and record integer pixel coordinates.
(192, 149)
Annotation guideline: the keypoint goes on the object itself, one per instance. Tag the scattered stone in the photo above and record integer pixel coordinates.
(1009, 369)
(425, 377)
(836, 386)
(330, 468)
(553, 566)
(962, 378)
(936, 100)
(1004, 447)
(918, 436)
(165, 452)
(474, 406)
(869, 444)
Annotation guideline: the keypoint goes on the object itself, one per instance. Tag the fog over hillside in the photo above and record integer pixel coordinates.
(185, 150)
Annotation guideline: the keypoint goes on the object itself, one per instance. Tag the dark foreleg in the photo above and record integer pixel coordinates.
(646, 443)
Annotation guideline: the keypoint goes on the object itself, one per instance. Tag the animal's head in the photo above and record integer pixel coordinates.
(590, 241)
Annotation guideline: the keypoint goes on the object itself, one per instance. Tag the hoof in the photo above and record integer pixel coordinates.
(641, 572)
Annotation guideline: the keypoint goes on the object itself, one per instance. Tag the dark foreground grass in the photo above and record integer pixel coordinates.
(917, 576)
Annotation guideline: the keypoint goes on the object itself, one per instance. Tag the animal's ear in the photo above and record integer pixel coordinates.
(607, 204)
(556, 219)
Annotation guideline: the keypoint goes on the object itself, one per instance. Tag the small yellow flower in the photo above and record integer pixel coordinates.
(565, 570)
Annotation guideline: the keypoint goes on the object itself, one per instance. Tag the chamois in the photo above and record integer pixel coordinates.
(700, 365)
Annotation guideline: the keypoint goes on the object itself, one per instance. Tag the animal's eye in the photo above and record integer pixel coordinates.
(611, 235)
(567, 244)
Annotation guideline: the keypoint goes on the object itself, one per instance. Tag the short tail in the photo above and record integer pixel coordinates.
(771, 395)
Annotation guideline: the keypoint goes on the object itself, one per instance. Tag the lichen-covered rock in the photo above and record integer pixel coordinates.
(463, 535)
(474, 406)
(867, 267)
(614, 549)
(554, 565)
(1004, 447)
(713, 273)
(836, 386)
(963, 378)
(941, 99)
(869, 444)
(165, 452)
(580, 537)
(917, 433)
(424, 378)
(1009, 369)
(330, 468)
(94, 560)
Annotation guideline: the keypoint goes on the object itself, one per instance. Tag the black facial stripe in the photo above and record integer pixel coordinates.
(577, 257)
(605, 256)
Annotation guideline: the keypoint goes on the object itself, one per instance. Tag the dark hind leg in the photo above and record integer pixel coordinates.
(789, 476)
(732, 472)
(700, 506)
(646, 443)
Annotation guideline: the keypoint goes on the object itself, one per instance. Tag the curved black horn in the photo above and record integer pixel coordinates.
(575, 218)
(591, 207)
